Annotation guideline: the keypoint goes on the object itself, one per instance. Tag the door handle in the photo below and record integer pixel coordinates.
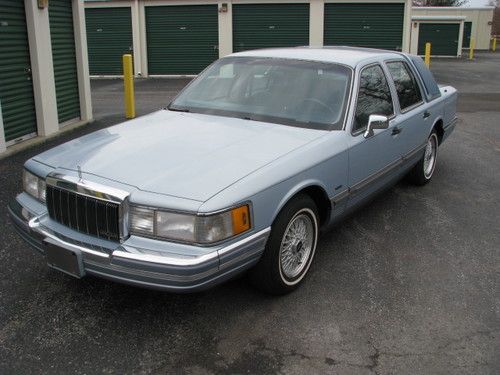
(396, 130)
(427, 114)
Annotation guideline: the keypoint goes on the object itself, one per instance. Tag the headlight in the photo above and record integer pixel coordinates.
(34, 185)
(189, 227)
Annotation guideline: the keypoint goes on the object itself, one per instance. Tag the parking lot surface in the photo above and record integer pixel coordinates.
(410, 284)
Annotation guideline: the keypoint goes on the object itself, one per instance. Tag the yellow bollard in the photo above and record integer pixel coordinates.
(128, 83)
(494, 44)
(471, 48)
(427, 58)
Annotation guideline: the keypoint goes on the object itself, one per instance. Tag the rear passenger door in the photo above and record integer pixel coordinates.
(414, 117)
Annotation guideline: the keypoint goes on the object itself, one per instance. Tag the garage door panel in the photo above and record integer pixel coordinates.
(109, 37)
(442, 36)
(373, 25)
(181, 39)
(16, 87)
(64, 60)
(270, 25)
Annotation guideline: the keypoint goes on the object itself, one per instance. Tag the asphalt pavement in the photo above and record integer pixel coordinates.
(410, 284)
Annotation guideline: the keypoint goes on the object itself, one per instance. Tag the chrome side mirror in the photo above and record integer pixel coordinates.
(376, 122)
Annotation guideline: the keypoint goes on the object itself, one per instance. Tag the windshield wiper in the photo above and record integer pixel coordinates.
(178, 109)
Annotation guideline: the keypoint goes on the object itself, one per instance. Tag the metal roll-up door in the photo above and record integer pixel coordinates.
(270, 25)
(64, 58)
(16, 88)
(109, 37)
(373, 25)
(181, 39)
(467, 34)
(442, 36)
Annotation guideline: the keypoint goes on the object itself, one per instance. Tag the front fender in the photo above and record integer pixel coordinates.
(296, 189)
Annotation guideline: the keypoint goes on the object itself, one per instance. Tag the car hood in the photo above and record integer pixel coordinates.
(185, 155)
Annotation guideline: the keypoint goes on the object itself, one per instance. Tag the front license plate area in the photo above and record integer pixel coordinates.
(65, 260)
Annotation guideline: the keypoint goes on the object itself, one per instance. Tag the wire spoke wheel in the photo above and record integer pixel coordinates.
(430, 156)
(297, 245)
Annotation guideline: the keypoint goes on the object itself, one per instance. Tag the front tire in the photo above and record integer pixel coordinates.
(422, 172)
(290, 248)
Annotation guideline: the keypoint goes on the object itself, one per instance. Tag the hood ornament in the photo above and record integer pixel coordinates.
(79, 173)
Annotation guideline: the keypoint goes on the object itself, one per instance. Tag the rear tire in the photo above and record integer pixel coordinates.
(422, 172)
(290, 248)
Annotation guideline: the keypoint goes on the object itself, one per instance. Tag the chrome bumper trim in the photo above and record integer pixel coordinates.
(35, 226)
(193, 261)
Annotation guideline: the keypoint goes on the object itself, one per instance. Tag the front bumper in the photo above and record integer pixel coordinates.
(138, 261)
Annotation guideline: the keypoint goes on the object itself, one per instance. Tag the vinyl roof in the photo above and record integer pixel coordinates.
(350, 56)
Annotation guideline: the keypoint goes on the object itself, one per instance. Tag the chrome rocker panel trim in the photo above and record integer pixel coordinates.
(143, 267)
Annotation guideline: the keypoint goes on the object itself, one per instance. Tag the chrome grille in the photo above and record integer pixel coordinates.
(84, 214)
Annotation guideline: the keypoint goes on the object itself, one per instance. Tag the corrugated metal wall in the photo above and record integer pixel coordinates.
(109, 36)
(270, 25)
(64, 58)
(181, 39)
(16, 88)
(374, 25)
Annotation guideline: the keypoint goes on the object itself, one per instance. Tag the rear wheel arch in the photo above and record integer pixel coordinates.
(439, 128)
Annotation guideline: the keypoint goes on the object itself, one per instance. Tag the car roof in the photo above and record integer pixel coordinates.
(345, 55)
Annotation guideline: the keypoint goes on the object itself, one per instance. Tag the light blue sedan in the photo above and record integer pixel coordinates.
(239, 172)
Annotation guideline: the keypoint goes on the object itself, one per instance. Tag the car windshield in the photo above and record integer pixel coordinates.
(283, 91)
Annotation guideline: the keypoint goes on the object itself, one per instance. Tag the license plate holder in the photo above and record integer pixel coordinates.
(64, 259)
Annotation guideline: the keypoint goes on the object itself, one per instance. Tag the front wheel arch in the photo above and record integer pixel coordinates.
(317, 193)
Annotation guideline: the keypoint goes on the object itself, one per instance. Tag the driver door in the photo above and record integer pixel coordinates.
(375, 159)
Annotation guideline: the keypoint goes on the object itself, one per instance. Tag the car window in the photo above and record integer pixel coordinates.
(374, 97)
(406, 85)
(430, 84)
(300, 93)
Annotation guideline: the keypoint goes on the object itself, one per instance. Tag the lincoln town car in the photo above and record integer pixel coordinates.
(240, 172)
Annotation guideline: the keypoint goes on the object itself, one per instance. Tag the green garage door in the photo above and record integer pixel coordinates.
(64, 57)
(270, 25)
(442, 36)
(373, 25)
(181, 39)
(109, 36)
(16, 89)
(467, 34)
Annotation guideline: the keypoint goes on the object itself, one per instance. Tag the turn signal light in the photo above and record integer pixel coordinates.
(241, 219)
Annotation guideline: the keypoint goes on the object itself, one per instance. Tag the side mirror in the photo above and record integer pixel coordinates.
(376, 122)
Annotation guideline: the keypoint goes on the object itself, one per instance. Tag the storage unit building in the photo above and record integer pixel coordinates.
(477, 22)
(44, 80)
(173, 37)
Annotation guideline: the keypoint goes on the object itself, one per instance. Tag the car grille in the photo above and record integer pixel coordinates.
(84, 214)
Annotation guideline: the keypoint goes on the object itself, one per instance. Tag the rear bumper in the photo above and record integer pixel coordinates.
(141, 262)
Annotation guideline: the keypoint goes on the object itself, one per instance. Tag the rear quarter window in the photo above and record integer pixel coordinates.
(431, 87)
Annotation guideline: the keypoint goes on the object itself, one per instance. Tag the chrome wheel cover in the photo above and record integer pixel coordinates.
(299, 241)
(430, 156)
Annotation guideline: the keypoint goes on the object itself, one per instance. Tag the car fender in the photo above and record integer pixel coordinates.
(294, 190)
